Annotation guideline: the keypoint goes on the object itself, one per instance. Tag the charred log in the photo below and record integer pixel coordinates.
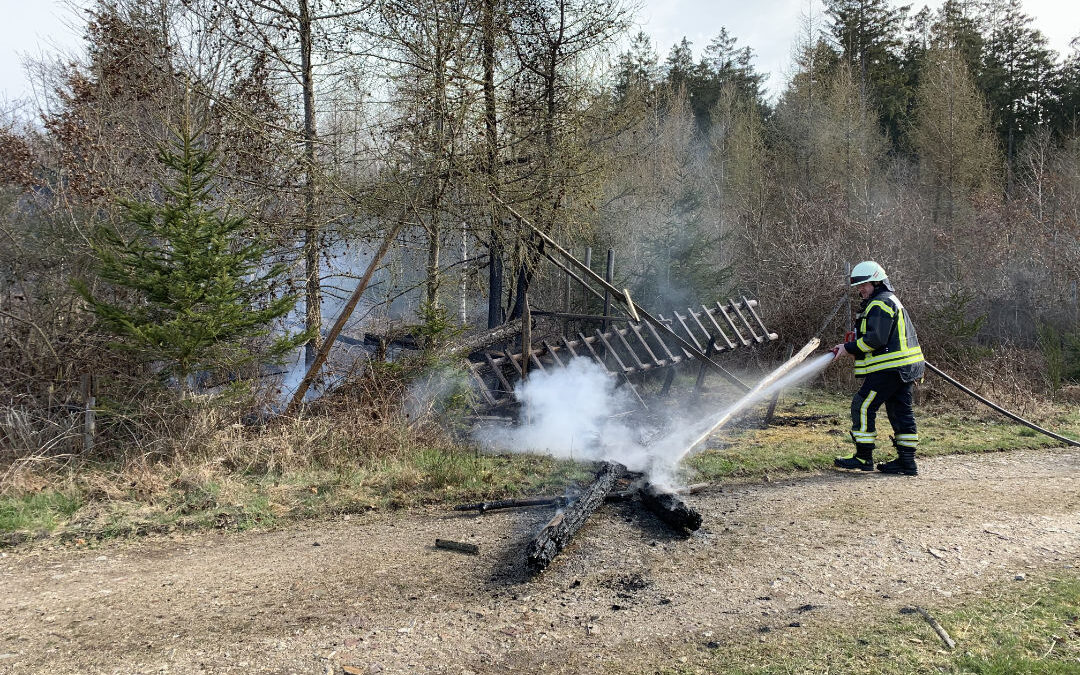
(559, 530)
(669, 508)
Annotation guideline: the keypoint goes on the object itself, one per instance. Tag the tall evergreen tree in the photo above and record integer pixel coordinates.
(868, 35)
(1065, 107)
(198, 291)
(638, 67)
(1016, 73)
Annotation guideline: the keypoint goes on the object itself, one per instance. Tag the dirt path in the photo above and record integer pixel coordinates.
(372, 593)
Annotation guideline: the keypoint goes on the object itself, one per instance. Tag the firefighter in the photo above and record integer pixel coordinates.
(889, 361)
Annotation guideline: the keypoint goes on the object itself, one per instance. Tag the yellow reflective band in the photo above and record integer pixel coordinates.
(864, 408)
(890, 356)
(901, 325)
(873, 368)
(884, 307)
(907, 437)
(861, 344)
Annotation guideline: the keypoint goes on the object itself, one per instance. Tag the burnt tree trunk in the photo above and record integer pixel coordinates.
(560, 529)
(669, 508)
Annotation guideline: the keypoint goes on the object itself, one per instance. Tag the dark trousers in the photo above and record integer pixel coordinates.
(884, 387)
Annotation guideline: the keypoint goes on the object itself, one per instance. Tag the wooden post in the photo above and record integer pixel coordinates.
(699, 386)
(775, 398)
(88, 385)
(585, 292)
(609, 275)
(566, 304)
(526, 337)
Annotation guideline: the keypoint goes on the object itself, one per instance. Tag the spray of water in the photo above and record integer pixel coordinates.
(573, 413)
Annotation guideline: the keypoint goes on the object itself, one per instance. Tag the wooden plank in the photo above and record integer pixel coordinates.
(513, 362)
(731, 323)
(498, 373)
(730, 344)
(671, 357)
(619, 334)
(551, 352)
(534, 358)
(488, 398)
(686, 329)
(569, 344)
(742, 317)
(592, 352)
(457, 546)
(636, 329)
(753, 312)
(611, 350)
(712, 340)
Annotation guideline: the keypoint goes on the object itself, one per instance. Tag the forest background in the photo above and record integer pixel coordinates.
(943, 144)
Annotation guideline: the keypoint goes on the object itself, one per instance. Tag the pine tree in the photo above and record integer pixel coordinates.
(1016, 70)
(197, 294)
(867, 33)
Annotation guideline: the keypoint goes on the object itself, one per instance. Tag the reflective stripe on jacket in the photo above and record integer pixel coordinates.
(885, 338)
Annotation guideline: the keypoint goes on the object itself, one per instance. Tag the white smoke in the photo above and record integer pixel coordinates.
(572, 413)
(576, 413)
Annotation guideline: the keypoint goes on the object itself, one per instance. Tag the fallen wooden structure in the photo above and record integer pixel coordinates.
(628, 348)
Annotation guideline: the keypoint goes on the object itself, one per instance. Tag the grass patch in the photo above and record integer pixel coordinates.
(811, 428)
(1024, 627)
(42, 511)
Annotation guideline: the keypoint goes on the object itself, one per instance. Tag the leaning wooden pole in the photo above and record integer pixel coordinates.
(560, 529)
(343, 316)
(623, 298)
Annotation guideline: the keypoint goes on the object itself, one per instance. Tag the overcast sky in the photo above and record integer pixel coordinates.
(30, 28)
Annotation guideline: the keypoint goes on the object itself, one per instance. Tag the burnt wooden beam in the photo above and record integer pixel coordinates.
(670, 508)
(558, 532)
(474, 343)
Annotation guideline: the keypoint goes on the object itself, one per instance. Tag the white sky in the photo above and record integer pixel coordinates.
(32, 28)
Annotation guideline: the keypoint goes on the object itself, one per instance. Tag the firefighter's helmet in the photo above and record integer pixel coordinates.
(868, 270)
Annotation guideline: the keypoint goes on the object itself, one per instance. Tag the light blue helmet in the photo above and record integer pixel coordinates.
(868, 270)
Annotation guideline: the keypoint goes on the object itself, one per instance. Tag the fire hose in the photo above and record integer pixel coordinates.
(1003, 411)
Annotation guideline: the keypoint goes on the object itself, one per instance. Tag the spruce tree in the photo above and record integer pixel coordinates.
(195, 292)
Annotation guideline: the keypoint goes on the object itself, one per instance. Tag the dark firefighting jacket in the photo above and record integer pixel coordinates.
(885, 338)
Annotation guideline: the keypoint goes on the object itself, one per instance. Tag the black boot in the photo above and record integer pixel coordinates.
(903, 464)
(863, 459)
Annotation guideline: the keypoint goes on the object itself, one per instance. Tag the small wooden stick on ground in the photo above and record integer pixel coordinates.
(457, 546)
(937, 628)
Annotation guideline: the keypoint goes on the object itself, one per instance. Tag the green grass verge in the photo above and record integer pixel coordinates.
(192, 499)
(42, 511)
(1030, 626)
